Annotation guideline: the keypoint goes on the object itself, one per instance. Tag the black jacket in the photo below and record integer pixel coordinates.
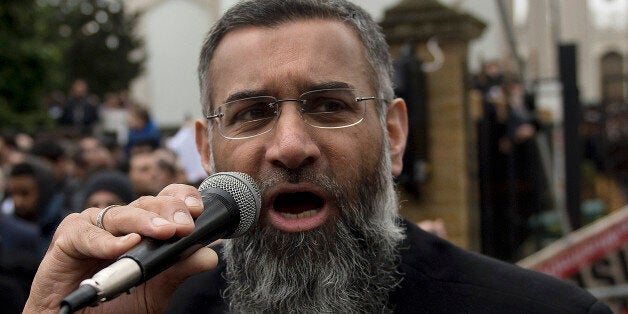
(438, 278)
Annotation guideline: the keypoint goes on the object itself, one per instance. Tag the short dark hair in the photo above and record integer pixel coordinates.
(49, 149)
(38, 170)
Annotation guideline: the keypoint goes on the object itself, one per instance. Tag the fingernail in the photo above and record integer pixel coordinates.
(182, 218)
(192, 201)
(128, 237)
(158, 221)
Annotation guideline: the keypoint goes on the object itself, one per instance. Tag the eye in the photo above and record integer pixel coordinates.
(323, 105)
(248, 110)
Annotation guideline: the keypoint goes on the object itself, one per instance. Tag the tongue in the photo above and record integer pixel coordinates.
(296, 203)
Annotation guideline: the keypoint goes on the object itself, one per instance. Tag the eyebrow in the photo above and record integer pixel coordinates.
(245, 94)
(330, 85)
(255, 93)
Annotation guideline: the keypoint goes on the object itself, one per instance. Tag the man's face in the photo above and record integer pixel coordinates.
(24, 193)
(327, 194)
(143, 173)
(96, 155)
(286, 61)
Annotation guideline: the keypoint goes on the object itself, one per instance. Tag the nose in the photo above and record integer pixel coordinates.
(292, 145)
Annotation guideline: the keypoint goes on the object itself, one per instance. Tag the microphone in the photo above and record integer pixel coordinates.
(231, 202)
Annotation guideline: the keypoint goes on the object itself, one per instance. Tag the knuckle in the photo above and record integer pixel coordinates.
(177, 189)
(145, 198)
(142, 201)
(64, 236)
(174, 203)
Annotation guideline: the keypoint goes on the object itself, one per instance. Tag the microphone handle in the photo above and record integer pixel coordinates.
(219, 219)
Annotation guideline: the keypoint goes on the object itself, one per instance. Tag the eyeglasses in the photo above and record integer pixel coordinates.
(325, 108)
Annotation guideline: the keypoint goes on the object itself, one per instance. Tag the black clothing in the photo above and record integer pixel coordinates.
(81, 114)
(438, 278)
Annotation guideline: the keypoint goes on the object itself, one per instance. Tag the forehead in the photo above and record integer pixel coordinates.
(287, 58)
(22, 182)
(142, 159)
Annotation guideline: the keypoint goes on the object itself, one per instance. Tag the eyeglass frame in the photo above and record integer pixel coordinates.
(217, 115)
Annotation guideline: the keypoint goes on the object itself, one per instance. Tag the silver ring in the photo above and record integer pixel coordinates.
(101, 214)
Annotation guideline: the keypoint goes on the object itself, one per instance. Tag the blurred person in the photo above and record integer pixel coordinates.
(23, 238)
(14, 149)
(24, 141)
(143, 173)
(17, 270)
(298, 94)
(54, 152)
(522, 112)
(88, 155)
(143, 133)
(113, 119)
(169, 169)
(20, 254)
(494, 147)
(96, 154)
(10, 152)
(491, 75)
(528, 186)
(106, 188)
(80, 112)
(92, 155)
(35, 199)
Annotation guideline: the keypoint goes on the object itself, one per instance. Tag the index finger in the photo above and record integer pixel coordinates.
(188, 194)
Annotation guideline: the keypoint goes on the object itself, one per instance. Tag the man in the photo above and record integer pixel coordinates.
(105, 188)
(36, 205)
(298, 95)
(143, 173)
(80, 112)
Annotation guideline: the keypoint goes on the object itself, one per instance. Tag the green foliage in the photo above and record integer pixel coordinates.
(46, 44)
(28, 60)
(102, 48)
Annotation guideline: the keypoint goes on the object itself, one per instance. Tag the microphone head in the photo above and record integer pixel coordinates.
(245, 193)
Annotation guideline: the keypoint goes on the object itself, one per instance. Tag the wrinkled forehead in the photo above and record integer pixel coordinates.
(302, 53)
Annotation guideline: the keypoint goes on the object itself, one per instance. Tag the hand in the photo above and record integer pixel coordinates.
(79, 249)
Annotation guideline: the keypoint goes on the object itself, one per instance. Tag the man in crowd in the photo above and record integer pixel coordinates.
(80, 112)
(298, 95)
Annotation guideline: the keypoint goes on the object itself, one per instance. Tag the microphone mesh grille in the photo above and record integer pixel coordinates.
(245, 193)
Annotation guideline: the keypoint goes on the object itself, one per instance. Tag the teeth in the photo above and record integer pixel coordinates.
(305, 214)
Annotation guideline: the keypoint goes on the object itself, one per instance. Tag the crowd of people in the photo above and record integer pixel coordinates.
(83, 163)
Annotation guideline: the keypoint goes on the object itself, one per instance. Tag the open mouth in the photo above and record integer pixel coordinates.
(298, 205)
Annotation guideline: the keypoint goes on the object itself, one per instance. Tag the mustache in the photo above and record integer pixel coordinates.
(270, 178)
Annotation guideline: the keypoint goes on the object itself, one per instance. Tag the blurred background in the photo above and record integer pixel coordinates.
(518, 143)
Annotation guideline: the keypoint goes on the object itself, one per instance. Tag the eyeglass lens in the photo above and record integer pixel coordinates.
(329, 108)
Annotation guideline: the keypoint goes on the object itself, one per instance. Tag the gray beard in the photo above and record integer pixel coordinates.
(348, 265)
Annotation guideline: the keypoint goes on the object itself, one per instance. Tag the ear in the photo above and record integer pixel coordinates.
(397, 126)
(202, 142)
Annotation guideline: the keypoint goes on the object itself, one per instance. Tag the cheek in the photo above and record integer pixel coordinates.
(242, 156)
(352, 154)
